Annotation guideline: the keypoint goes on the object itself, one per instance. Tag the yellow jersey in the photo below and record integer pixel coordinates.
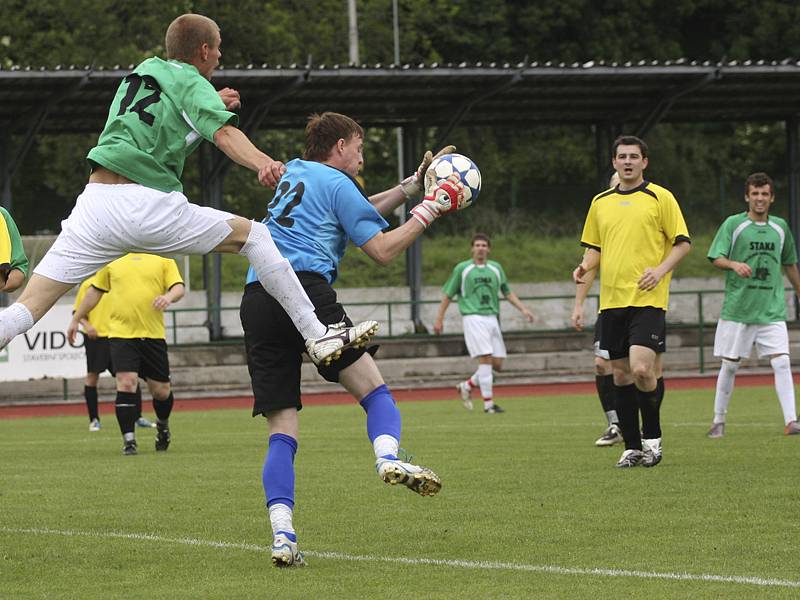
(100, 316)
(135, 280)
(633, 230)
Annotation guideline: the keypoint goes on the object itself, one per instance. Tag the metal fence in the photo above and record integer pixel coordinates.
(689, 309)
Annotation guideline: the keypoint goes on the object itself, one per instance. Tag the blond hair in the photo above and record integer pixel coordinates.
(187, 33)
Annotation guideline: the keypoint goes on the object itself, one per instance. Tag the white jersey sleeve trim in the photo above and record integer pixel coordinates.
(781, 234)
(193, 135)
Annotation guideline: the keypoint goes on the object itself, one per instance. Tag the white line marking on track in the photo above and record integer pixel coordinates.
(463, 564)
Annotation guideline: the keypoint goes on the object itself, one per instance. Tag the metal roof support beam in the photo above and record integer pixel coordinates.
(663, 106)
(411, 151)
(465, 107)
(793, 169)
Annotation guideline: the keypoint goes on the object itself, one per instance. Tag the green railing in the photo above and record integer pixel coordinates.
(393, 306)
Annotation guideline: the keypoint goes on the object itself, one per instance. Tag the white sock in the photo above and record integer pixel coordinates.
(612, 417)
(784, 386)
(385, 445)
(14, 320)
(725, 381)
(485, 380)
(276, 275)
(280, 517)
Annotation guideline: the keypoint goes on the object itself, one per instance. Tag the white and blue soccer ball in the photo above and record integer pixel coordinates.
(446, 165)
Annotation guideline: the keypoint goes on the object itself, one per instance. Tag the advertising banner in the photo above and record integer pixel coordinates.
(43, 351)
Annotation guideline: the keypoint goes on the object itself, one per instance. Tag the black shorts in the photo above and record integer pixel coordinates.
(275, 348)
(621, 328)
(98, 355)
(146, 356)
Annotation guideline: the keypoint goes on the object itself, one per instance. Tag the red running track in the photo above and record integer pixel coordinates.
(341, 397)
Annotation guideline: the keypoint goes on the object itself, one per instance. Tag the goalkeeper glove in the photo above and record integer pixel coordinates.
(412, 185)
(439, 200)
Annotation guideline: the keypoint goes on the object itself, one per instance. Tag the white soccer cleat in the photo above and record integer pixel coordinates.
(717, 431)
(630, 458)
(285, 552)
(418, 479)
(94, 425)
(611, 436)
(652, 452)
(465, 392)
(329, 347)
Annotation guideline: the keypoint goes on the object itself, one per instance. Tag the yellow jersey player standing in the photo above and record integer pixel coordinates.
(137, 339)
(635, 233)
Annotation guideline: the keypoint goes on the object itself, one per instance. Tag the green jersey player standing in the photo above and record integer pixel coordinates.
(134, 201)
(755, 249)
(477, 284)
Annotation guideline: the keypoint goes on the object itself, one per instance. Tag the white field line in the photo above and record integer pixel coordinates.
(462, 564)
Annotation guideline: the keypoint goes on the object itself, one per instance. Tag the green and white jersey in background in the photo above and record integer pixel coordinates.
(765, 247)
(161, 113)
(477, 287)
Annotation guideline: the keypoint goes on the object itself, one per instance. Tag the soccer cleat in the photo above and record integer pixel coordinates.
(146, 423)
(652, 452)
(611, 436)
(494, 409)
(162, 437)
(463, 389)
(130, 448)
(338, 337)
(630, 458)
(717, 430)
(418, 479)
(285, 552)
(793, 428)
(94, 425)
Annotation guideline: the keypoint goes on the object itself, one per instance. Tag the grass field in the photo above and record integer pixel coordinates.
(529, 508)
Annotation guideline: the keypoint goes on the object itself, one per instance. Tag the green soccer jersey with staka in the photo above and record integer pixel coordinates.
(160, 114)
(477, 287)
(765, 247)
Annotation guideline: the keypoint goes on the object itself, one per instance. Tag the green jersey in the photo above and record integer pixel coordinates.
(477, 287)
(161, 113)
(765, 247)
(16, 258)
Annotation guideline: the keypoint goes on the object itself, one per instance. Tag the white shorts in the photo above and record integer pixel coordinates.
(483, 337)
(735, 340)
(109, 221)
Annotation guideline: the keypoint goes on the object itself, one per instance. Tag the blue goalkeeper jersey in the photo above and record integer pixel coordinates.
(316, 209)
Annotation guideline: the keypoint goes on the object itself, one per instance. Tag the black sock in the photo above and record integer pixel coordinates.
(628, 413)
(127, 412)
(163, 408)
(650, 405)
(605, 391)
(138, 402)
(90, 393)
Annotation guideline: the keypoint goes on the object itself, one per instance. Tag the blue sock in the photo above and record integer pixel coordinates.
(383, 417)
(278, 474)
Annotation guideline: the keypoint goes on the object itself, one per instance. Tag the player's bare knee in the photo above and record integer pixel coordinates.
(602, 367)
(240, 231)
(127, 382)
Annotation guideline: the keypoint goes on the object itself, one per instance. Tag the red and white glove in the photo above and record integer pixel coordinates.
(412, 185)
(440, 199)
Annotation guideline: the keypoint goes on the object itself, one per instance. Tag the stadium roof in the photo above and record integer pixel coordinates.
(73, 99)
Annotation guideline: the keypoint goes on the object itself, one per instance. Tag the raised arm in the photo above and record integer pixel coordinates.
(238, 147)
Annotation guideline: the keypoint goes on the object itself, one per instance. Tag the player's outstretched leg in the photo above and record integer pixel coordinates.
(383, 428)
(324, 344)
(278, 481)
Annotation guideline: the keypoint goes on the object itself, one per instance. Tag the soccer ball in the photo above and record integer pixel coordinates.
(446, 165)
